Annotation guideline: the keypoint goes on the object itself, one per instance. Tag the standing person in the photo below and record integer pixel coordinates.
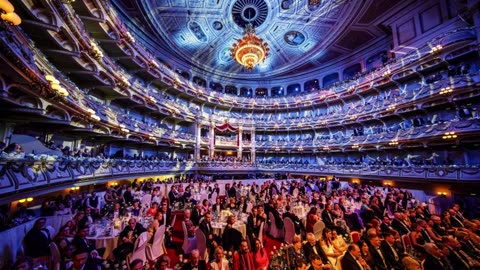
(260, 256)
(243, 259)
(37, 240)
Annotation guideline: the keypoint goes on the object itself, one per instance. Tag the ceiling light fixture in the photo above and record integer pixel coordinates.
(250, 49)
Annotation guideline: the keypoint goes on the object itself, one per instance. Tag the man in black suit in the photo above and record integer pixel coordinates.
(329, 219)
(37, 240)
(128, 196)
(81, 242)
(433, 260)
(393, 253)
(399, 225)
(299, 227)
(173, 195)
(377, 260)
(93, 201)
(231, 237)
(80, 261)
(127, 237)
(218, 206)
(351, 258)
(457, 257)
(206, 227)
(242, 205)
(253, 223)
(312, 247)
(196, 214)
(195, 262)
(215, 189)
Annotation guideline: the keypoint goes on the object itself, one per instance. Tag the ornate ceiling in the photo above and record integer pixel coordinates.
(196, 35)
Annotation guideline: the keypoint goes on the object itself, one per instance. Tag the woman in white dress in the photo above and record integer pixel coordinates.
(329, 249)
(219, 263)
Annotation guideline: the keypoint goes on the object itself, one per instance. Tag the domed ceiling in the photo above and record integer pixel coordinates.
(196, 35)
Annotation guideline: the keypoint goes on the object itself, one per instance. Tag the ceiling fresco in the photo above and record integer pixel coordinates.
(197, 35)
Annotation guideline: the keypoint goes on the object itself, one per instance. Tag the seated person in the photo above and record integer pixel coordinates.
(231, 237)
(127, 238)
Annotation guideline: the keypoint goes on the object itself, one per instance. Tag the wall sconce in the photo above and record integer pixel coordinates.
(355, 181)
(8, 14)
(22, 200)
(442, 194)
(449, 135)
(387, 184)
(436, 49)
(29, 199)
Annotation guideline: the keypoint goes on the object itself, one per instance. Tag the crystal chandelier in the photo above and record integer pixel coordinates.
(250, 49)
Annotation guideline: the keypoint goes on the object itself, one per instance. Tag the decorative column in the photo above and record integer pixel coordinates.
(6, 131)
(211, 138)
(252, 145)
(240, 142)
(196, 151)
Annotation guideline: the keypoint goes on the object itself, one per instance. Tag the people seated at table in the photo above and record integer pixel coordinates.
(187, 197)
(173, 195)
(231, 237)
(195, 263)
(232, 205)
(241, 205)
(243, 258)
(218, 206)
(37, 240)
(117, 211)
(219, 262)
(328, 247)
(127, 239)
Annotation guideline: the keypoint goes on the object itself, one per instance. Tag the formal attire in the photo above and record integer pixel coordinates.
(243, 261)
(310, 249)
(260, 260)
(349, 262)
(433, 263)
(196, 216)
(392, 255)
(219, 266)
(202, 265)
(377, 260)
(37, 243)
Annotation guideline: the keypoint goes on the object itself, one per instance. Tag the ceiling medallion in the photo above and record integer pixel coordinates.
(250, 49)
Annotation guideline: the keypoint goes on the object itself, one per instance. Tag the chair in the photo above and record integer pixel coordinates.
(189, 243)
(139, 249)
(318, 229)
(295, 193)
(407, 244)
(213, 199)
(289, 230)
(355, 236)
(260, 233)
(173, 221)
(146, 200)
(201, 244)
(274, 231)
(157, 248)
(56, 257)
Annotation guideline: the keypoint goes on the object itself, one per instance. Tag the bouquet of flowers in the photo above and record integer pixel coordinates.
(279, 259)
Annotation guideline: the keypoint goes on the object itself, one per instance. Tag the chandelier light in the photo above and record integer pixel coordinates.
(250, 49)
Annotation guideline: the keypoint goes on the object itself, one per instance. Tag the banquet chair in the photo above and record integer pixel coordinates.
(289, 230)
(318, 229)
(213, 199)
(274, 231)
(146, 200)
(355, 236)
(260, 233)
(139, 249)
(201, 245)
(189, 243)
(295, 193)
(56, 257)
(173, 221)
(157, 248)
